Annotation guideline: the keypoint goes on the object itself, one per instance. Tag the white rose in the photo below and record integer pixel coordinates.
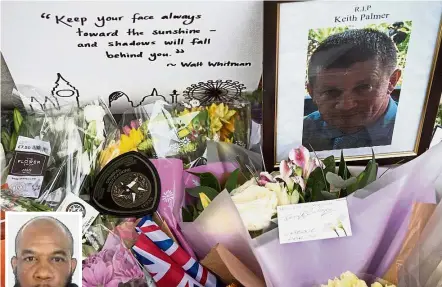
(243, 187)
(94, 113)
(280, 191)
(256, 205)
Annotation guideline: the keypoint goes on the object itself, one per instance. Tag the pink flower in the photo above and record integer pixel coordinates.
(98, 274)
(284, 169)
(300, 181)
(265, 177)
(126, 130)
(312, 165)
(135, 124)
(125, 266)
(299, 156)
(110, 267)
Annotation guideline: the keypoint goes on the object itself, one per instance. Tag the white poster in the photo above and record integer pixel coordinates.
(354, 76)
(131, 52)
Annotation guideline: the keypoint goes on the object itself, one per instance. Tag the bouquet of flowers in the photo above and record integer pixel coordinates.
(113, 266)
(159, 130)
(70, 139)
(229, 122)
(302, 178)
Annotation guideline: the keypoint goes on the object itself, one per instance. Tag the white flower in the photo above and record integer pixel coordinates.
(99, 126)
(256, 205)
(243, 187)
(94, 113)
(187, 105)
(280, 191)
(294, 197)
(85, 163)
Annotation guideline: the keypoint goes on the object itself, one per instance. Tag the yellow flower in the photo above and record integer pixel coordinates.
(205, 201)
(109, 153)
(130, 143)
(221, 120)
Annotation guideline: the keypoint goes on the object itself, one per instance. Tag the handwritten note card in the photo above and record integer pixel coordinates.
(131, 50)
(313, 221)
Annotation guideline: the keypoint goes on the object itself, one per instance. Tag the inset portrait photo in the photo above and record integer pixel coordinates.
(353, 85)
(43, 249)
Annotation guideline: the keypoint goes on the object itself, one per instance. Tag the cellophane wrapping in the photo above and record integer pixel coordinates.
(423, 267)
(379, 215)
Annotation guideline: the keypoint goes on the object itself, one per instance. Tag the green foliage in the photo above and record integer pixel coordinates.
(9, 140)
(366, 177)
(232, 181)
(439, 116)
(211, 187)
(343, 170)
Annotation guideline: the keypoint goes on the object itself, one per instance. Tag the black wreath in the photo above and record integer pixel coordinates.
(214, 91)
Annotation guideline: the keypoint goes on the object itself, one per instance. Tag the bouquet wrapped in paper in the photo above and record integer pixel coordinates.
(379, 212)
(114, 265)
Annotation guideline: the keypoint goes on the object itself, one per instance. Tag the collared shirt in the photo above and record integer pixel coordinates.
(322, 136)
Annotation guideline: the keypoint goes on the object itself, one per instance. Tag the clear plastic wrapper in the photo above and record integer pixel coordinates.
(73, 137)
(423, 267)
(114, 265)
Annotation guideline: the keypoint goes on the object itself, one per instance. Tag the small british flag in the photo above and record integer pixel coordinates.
(164, 271)
(177, 254)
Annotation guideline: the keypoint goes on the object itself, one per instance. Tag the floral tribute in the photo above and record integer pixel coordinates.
(302, 178)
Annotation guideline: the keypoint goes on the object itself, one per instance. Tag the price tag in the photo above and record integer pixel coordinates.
(313, 221)
(73, 203)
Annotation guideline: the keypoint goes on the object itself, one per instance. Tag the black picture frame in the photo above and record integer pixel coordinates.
(270, 97)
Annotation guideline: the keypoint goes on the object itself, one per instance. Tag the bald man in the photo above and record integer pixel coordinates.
(44, 254)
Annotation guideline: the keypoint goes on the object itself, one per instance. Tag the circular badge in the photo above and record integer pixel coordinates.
(129, 185)
(76, 207)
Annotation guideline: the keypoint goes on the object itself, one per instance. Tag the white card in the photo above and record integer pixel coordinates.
(73, 203)
(313, 221)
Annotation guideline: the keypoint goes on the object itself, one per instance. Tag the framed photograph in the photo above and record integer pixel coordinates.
(352, 77)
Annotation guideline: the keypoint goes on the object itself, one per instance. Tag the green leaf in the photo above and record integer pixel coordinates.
(199, 206)
(330, 164)
(208, 179)
(195, 212)
(187, 215)
(366, 177)
(6, 139)
(232, 181)
(18, 119)
(343, 170)
(316, 184)
(13, 141)
(195, 192)
(328, 195)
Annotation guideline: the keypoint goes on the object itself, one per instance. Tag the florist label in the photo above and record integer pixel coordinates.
(73, 203)
(28, 166)
(313, 221)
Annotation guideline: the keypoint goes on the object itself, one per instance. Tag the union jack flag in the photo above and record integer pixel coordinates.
(177, 254)
(164, 271)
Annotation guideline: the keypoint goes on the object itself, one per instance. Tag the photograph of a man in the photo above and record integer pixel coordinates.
(351, 77)
(43, 253)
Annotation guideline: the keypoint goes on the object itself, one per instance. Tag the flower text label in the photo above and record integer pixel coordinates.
(313, 221)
